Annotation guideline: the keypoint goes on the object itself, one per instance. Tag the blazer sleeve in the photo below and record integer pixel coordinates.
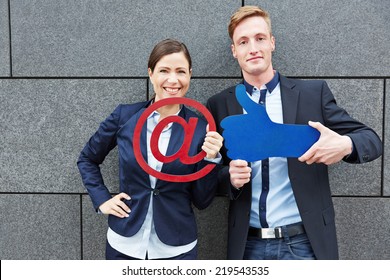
(94, 153)
(217, 109)
(224, 180)
(367, 145)
(203, 190)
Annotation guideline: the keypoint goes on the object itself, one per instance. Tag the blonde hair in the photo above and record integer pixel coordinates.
(246, 12)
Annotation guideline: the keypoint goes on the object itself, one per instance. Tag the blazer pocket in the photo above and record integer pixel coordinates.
(328, 215)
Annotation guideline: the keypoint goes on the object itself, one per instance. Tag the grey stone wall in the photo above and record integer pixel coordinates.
(65, 65)
(4, 40)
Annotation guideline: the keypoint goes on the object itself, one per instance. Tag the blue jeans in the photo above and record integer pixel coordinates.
(288, 248)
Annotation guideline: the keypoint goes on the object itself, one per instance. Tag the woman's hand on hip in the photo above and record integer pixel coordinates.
(115, 206)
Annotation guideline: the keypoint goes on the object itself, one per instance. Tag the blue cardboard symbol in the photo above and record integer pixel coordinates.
(253, 136)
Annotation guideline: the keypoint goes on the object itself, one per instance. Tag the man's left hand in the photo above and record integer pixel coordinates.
(330, 148)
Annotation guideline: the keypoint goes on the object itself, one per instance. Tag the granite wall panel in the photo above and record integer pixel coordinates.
(40, 227)
(94, 227)
(115, 38)
(203, 89)
(363, 100)
(48, 122)
(4, 40)
(362, 228)
(212, 230)
(330, 38)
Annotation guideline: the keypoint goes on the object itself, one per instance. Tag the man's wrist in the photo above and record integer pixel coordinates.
(349, 145)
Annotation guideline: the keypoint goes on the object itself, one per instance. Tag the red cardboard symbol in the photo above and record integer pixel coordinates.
(182, 153)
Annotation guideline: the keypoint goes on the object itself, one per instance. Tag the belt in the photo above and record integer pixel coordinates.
(278, 232)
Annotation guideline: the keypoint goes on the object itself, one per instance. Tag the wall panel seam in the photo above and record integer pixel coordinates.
(383, 139)
(193, 77)
(81, 228)
(10, 38)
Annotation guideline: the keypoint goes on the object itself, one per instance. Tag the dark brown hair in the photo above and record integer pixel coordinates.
(165, 47)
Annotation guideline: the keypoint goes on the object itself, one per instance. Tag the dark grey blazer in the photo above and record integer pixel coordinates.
(301, 101)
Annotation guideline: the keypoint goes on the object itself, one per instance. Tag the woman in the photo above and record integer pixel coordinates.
(152, 218)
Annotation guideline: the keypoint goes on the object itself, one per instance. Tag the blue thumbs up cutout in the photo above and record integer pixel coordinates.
(253, 136)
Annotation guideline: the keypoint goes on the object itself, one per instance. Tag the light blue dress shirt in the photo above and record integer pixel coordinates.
(281, 207)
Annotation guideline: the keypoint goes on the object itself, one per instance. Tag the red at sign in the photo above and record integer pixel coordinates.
(182, 153)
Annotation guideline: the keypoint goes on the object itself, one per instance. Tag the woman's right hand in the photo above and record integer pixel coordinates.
(115, 206)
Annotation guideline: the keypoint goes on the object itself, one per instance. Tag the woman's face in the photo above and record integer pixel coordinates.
(171, 76)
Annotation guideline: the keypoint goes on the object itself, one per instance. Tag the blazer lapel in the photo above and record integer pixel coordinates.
(232, 105)
(126, 134)
(143, 136)
(290, 98)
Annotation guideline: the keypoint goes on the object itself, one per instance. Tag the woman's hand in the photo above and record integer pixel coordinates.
(115, 206)
(212, 143)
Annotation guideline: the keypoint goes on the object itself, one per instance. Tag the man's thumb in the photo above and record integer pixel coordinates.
(317, 125)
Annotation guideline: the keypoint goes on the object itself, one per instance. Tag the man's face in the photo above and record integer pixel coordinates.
(252, 46)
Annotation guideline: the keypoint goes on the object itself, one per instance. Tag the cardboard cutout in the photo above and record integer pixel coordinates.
(253, 136)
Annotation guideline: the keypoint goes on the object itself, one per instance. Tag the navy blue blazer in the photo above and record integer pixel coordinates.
(173, 215)
(302, 101)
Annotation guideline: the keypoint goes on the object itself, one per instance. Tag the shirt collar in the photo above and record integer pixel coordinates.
(271, 85)
(154, 117)
(154, 113)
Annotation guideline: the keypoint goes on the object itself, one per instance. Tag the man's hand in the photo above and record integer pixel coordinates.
(240, 173)
(115, 206)
(330, 148)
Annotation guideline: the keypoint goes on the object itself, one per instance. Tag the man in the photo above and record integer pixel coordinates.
(281, 208)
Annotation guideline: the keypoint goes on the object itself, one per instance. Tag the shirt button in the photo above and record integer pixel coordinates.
(156, 192)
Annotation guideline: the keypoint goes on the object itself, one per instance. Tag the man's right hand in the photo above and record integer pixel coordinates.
(240, 173)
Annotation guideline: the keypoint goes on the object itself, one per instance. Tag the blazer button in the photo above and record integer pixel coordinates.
(366, 157)
(156, 192)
